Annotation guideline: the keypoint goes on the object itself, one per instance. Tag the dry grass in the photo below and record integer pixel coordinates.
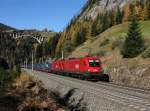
(27, 94)
(24, 77)
(130, 72)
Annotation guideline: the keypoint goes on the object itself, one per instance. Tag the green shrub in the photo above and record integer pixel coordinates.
(18, 69)
(146, 53)
(105, 42)
(6, 77)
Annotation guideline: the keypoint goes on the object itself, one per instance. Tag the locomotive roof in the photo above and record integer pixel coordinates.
(72, 58)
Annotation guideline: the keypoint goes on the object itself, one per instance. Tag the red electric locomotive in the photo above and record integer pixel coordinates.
(85, 68)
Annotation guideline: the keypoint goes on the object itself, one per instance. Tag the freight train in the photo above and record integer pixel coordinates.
(86, 68)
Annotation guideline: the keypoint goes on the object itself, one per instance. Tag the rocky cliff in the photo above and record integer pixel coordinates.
(93, 7)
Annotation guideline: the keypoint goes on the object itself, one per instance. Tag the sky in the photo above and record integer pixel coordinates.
(39, 14)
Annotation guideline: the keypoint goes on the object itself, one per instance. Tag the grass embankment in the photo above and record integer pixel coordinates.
(28, 94)
(105, 40)
(131, 72)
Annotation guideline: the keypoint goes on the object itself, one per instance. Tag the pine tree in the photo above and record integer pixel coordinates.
(74, 38)
(39, 52)
(119, 16)
(96, 26)
(80, 37)
(87, 26)
(93, 28)
(67, 47)
(59, 44)
(134, 44)
(112, 15)
(106, 22)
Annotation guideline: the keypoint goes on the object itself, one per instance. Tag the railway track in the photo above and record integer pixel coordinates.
(111, 84)
(131, 98)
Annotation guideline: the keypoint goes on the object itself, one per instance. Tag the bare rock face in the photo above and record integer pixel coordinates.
(109, 4)
(103, 5)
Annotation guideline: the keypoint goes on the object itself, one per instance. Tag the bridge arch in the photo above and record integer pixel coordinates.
(38, 39)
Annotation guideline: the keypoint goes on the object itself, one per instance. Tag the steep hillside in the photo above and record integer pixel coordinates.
(96, 17)
(4, 27)
(105, 41)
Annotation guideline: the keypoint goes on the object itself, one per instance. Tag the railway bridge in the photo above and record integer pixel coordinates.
(20, 34)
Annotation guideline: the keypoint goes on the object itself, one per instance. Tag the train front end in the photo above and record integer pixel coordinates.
(95, 70)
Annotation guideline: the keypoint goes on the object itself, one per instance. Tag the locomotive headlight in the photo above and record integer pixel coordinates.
(89, 70)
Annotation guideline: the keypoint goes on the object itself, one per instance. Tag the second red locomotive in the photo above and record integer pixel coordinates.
(85, 68)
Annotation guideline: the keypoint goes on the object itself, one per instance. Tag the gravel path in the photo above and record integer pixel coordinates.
(99, 96)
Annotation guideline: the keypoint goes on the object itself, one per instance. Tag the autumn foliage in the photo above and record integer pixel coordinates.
(79, 30)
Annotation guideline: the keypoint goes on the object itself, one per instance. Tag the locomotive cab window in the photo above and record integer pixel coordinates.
(94, 63)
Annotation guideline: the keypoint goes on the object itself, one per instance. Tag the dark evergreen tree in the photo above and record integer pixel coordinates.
(67, 47)
(39, 52)
(96, 26)
(84, 32)
(102, 22)
(134, 43)
(46, 48)
(94, 29)
(119, 16)
(112, 17)
(81, 37)
(106, 22)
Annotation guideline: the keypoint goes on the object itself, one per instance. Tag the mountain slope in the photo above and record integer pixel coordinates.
(96, 17)
(111, 35)
(93, 7)
(4, 27)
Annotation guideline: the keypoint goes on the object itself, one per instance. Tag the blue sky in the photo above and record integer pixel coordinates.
(39, 14)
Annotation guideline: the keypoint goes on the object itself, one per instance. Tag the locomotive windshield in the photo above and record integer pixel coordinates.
(94, 63)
